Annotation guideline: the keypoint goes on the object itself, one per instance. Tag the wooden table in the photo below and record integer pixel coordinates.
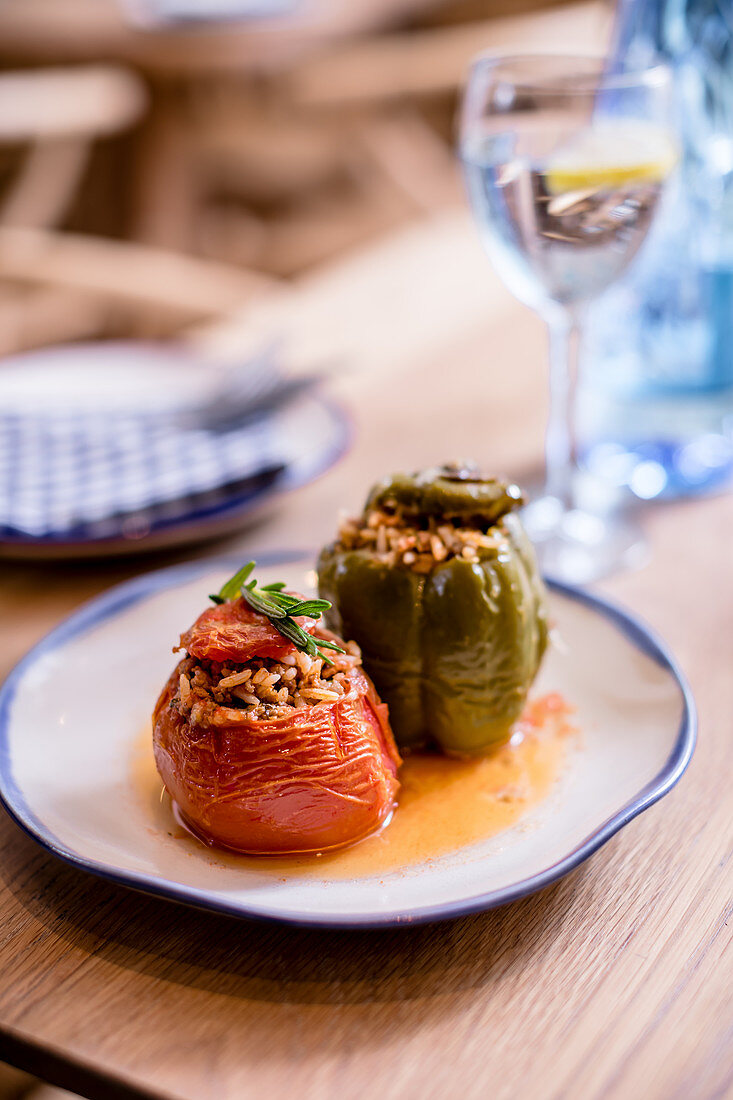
(609, 984)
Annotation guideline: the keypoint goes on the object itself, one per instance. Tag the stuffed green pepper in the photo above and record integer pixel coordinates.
(438, 583)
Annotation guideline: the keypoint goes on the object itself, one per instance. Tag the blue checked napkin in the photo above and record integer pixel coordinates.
(83, 473)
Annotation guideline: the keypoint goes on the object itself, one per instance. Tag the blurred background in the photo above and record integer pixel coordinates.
(260, 144)
(188, 184)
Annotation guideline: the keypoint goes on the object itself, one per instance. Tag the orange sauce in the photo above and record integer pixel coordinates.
(444, 804)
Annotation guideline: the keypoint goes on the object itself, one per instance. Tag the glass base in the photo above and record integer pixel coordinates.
(664, 469)
(579, 547)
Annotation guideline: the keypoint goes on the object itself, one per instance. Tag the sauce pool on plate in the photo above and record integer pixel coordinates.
(444, 804)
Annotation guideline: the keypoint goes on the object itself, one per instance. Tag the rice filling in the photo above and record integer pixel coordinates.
(418, 541)
(265, 688)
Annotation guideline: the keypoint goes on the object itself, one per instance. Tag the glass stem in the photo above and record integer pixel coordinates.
(560, 441)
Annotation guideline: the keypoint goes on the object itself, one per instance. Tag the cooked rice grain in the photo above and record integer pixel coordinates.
(266, 688)
(416, 541)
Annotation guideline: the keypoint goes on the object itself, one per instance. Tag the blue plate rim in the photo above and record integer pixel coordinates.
(115, 600)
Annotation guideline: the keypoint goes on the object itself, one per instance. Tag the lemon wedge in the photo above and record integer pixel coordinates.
(611, 154)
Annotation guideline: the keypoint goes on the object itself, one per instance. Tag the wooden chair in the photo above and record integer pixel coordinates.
(54, 116)
(83, 286)
(60, 285)
(49, 121)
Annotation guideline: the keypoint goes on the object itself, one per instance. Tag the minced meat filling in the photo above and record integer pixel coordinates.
(265, 688)
(416, 541)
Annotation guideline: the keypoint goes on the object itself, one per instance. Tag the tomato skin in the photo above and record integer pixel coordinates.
(323, 778)
(234, 632)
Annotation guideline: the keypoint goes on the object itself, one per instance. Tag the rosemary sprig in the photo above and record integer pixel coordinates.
(280, 608)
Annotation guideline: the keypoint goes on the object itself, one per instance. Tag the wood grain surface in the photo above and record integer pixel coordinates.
(612, 984)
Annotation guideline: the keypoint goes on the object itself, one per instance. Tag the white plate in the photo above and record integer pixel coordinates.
(131, 377)
(66, 777)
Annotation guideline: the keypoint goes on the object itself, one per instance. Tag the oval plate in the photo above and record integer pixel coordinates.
(67, 740)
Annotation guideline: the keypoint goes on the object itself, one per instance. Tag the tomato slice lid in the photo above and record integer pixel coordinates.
(233, 631)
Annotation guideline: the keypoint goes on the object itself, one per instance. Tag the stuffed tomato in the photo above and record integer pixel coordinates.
(269, 745)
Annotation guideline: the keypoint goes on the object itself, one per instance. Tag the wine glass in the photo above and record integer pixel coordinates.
(565, 164)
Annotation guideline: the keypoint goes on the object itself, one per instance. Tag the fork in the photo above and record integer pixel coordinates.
(246, 393)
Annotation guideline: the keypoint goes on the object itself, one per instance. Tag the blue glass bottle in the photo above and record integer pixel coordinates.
(655, 413)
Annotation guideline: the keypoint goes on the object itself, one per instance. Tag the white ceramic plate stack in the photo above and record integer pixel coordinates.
(93, 460)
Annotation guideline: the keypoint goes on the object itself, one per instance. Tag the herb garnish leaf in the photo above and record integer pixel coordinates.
(230, 589)
(280, 608)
